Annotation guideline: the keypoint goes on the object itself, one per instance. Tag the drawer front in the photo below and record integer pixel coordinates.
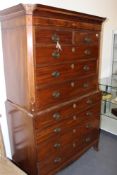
(53, 95)
(59, 73)
(87, 126)
(75, 116)
(53, 162)
(53, 146)
(82, 142)
(52, 131)
(86, 37)
(51, 55)
(48, 36)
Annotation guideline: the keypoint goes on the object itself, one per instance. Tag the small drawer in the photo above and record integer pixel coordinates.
(65, 91)
(89, 67)
(48, 36)
(86, 37)
(87, 52)
(58, 73)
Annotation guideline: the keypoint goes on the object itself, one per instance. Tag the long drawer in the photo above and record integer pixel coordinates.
(58, 73)
(75, 115)
(52, 95)
(51, 55)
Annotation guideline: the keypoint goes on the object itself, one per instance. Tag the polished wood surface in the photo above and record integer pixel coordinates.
(20, 125)
(51, 60)
(6, 166)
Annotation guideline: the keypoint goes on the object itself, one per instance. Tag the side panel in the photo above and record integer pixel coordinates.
(20, 125)
(17, 61)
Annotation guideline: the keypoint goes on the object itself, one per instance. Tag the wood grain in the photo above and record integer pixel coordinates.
(51, 61)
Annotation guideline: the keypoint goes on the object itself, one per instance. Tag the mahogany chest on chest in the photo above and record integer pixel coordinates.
(51, 61)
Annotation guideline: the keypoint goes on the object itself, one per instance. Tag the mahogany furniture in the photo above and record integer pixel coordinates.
(51, 60)
(6, 166)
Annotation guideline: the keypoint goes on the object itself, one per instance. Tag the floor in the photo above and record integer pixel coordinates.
(103, 162)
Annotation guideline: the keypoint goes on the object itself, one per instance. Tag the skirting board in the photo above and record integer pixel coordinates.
(108, 124)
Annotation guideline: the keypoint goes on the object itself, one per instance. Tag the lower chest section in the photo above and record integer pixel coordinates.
(63, 134)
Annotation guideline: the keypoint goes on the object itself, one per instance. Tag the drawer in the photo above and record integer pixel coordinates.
(53, 146)
(58, 73)
(67, 112)
(52, 163)
(48, 96)
(88, 126)
(52, 160)
(48, 36)
(53, 131)
(50, 55)
(86, 37)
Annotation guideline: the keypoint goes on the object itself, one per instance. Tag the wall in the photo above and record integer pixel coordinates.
(105, 8)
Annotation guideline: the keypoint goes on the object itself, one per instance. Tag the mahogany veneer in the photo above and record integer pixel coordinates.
(51, 61)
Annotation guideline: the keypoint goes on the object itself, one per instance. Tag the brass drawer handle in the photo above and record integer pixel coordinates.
(74, 130)
(72, 84)
(56, 94)
(88, 125)
(87, 40)
(74, 145)
(86, 68)
(72, 66)
(55, 74)
(74, 117)
(55, 38)
(89, 101)
(57, 130)
(57, 160)
(56, 54)
(85, 85)
(74, 105)
(87, 52)
(89, 113)
(73, 49)
(88, 139)
(56, 116)
(57, 145)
